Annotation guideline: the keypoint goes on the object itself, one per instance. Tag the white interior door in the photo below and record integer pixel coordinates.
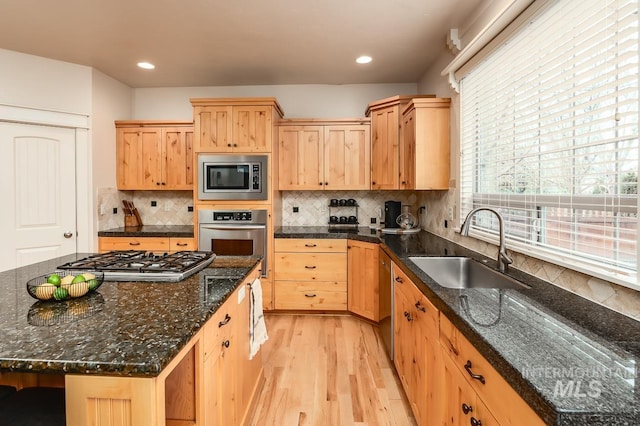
(39, 186)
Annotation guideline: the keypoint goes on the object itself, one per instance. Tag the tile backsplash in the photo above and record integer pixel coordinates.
(313, 206)
(172, 207)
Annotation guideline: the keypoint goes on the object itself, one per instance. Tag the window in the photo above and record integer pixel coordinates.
(549, 137)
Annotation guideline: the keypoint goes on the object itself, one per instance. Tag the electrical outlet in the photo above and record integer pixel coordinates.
(373, 220)
(103, 209)
(190, 208)
(167, 207)
(154, 204)
(296, 209)
(115, 210)
(450, 213)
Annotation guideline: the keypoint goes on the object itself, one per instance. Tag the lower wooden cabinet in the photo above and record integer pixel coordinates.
(164, 244)
(231, 379)
(491, 389)
(362, 279)
(310, 274)
(416, 348)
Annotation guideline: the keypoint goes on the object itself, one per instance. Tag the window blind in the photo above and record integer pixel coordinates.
(549, 137)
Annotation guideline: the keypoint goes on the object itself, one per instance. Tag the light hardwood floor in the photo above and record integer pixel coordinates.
(328, 370)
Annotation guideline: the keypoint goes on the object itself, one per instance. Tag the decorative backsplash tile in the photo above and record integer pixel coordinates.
(172, 207)
(314, 210)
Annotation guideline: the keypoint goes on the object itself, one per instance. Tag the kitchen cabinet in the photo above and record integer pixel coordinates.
(235, 125)
(231, 380)
(165, 244)
(467, 370)
(324, 155)
(424, 151)
(310, 274)
(154, 155)
(362, 279)
(404, 145)
(416, 348)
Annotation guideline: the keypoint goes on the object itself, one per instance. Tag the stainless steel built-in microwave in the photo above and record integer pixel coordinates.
(232, 177)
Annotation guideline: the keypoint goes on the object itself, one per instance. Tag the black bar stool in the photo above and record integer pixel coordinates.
(37, 406)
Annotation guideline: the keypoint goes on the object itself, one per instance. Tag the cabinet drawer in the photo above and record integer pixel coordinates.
(220, 326)
(503, 402)
(426, 314)
(329, 295)
(180, 244)
(133, 243)
(311, 267)
(306, 245)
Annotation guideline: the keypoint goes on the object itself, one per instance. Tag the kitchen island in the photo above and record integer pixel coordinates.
(572, 361)
(116, 351)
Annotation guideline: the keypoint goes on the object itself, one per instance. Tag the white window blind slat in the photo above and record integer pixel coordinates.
(549, 136)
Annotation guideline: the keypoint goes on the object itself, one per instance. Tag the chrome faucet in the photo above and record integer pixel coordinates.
(503, 257)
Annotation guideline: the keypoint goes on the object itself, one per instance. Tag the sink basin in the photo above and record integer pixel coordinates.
(464, 272)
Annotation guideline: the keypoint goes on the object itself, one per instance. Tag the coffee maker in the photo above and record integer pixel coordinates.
(392, 209)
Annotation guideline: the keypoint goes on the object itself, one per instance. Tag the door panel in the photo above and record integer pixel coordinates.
(39, 189)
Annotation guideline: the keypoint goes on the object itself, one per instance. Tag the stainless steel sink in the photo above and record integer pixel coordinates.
(464, 272)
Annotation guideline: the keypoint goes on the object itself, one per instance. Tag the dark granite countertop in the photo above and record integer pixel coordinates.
(125, 328)
(176, 231)
(575, 362)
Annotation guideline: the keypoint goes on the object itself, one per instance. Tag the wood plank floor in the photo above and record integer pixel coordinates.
(328, 370)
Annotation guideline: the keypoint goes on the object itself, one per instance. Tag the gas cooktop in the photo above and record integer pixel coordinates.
(136, 265)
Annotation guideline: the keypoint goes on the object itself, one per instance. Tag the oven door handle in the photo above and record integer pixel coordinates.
(232, 227)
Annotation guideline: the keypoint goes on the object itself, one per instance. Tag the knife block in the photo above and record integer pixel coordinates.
(130, 221)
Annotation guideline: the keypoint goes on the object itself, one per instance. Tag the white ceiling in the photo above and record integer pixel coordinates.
(237, 42)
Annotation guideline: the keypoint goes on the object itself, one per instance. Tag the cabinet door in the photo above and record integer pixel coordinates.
(362, 279)
(213, 128)
(300, 157)
(408, 152)
(385, 130)
(347, 157)
(426, 357)
(139, 158)
(178, 169)
(404, 338)
(252, 129)
(461, 405)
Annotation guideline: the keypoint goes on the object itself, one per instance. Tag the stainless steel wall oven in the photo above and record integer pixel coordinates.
(234, 233)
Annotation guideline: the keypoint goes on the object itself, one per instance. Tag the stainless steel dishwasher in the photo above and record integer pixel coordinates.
(386, 301)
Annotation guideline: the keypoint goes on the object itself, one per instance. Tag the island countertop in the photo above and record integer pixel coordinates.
(123, 329)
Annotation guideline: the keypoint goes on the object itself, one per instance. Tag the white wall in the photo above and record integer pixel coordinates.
(297, 101)
(35, 82)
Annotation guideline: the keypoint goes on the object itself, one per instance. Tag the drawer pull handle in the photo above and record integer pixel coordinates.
(226, 343)
(479, 377)
(399, 280)
(134, 244)
(310, 245)
(420, 307)
(466, 408)
(181, 244)
(407, 315)
(475, 422)
(310, 295)
(225, 321)
(310, 267)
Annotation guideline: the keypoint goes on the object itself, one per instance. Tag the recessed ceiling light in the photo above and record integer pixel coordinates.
(146, 65)
(363, 59)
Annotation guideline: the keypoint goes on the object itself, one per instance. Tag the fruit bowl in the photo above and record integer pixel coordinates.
(64, 285)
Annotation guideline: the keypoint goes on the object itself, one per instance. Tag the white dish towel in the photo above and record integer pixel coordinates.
(258, 326)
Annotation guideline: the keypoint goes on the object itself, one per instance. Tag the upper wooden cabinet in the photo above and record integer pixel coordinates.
(154, 155)
(424, 152)
(404, 140)
(322, 154)
(241, 125)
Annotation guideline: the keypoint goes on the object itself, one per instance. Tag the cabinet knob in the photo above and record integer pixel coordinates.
(235, 145)
(157, 183)
(326, 183)
(373, 183)
(163, 183)
(399, 280)
(466, 408)
(475, 422)
(229, 145)
(407, 315)
(310, 245)
(420, 307)
(226, 343)
(320, 184)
